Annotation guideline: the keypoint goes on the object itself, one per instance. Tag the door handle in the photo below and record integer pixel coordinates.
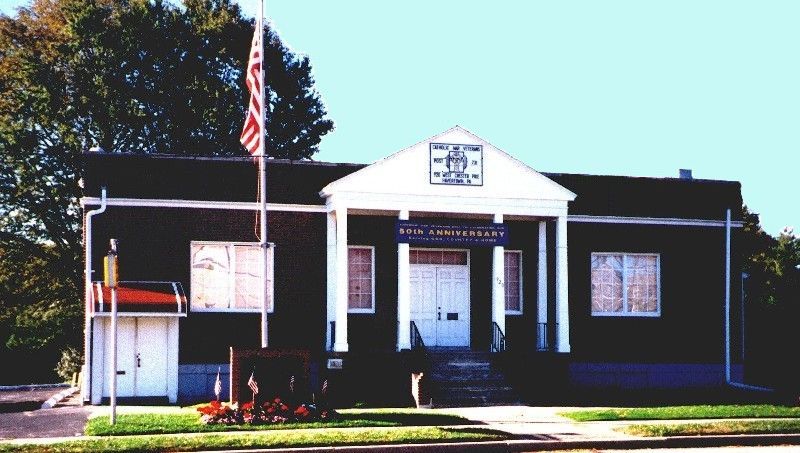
(439, 316)
(138, 360)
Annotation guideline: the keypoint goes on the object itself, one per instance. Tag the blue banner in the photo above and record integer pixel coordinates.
(418, 233)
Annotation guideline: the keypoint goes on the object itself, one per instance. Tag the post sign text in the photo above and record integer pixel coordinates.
(417, 233)
(459, 165)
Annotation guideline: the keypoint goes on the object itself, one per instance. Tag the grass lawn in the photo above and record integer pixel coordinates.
(269, 439)
(685, 412)
(717, 428)
(187, 420)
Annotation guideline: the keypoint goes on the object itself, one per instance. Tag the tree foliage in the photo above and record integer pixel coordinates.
(771, 264)
(140, 76)
(772, 299)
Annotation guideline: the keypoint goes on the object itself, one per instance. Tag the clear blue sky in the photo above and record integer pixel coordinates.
(638, 88)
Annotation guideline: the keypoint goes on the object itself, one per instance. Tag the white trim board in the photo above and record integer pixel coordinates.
(136, 314)
(288, 207)
(651, 221)
(200, 204)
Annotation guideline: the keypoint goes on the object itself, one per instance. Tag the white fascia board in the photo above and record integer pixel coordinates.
(651, 221)
(136, 314)
(456, 205)
(200, 204)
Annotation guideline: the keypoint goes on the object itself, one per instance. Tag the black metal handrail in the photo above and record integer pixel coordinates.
(416, 338)
(498, 339)
(420, 359)
(333, 334)
(542, 343)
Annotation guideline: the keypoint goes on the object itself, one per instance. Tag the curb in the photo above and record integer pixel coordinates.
(552, 445)
(32, 387)
(55, 399)
(509, 446)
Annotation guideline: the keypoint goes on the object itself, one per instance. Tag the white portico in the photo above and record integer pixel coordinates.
(454, 175)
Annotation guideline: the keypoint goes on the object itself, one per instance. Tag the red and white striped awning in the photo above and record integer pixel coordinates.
(141, 298)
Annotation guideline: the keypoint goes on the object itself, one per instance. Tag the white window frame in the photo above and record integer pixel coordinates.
(372, 279)
(521, 301)
(270, 279)
(467, 251)
(624, 313)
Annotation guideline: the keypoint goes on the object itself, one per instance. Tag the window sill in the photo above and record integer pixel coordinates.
(626, 315)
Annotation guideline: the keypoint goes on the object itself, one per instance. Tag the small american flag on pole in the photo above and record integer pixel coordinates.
(252, 383)
(324, 387)
(291, 384)
(218, 385)
(254, 121)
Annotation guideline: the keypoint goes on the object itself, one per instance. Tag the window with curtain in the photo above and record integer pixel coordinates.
(626, 284)
(226, 276)
(361, 279)
(513, 266)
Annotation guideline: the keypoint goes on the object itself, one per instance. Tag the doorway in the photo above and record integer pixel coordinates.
(440, 296)
(141, 357)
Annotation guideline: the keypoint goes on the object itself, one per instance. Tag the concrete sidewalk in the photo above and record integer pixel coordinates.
(542, 423)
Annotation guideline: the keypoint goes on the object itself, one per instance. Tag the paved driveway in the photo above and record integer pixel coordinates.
(21, 417)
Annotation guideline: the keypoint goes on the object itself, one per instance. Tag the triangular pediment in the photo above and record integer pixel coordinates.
(455, 163)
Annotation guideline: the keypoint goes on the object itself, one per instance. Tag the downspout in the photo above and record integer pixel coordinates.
(728, 312)
(87, 272)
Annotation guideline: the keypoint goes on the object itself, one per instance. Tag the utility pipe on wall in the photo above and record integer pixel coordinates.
(728, 296)
(87, 272)
(728, 311)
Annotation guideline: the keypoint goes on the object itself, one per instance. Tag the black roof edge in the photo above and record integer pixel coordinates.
(656, 178)
(355, 165)
(219, 159)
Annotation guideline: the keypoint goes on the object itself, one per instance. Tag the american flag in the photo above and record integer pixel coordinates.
(252, 383)
(291, 384)
(325, 387)
(252, 132)
(218, 385)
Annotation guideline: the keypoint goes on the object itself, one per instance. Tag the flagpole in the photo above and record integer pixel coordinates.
(262, 170)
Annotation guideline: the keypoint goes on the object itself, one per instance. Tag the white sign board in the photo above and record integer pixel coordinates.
(456, 164)
(335, 364)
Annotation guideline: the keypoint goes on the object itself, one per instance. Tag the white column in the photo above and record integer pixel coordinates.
(340, 341)
(541, 302)
(99, 330)
(499, 282)
(562, 272)
(403, 293)
(172, 360)
(331, 272)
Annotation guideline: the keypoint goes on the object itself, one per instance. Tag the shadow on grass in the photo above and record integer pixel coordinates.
(498, 434)
(410, 419)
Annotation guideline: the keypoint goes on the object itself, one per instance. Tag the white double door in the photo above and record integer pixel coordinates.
(440, 303)
(141, 357)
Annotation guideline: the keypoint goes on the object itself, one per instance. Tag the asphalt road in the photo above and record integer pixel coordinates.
(21, 416)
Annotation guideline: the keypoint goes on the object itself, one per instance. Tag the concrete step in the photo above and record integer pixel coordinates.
(468, 378)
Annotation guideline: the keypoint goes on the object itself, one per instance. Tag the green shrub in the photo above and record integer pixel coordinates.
(69, 364)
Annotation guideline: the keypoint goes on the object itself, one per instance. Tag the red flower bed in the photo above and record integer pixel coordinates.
(274, 411)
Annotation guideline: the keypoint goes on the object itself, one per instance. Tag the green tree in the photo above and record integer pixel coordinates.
(771, 263)
(772, 290)
(140, 76)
